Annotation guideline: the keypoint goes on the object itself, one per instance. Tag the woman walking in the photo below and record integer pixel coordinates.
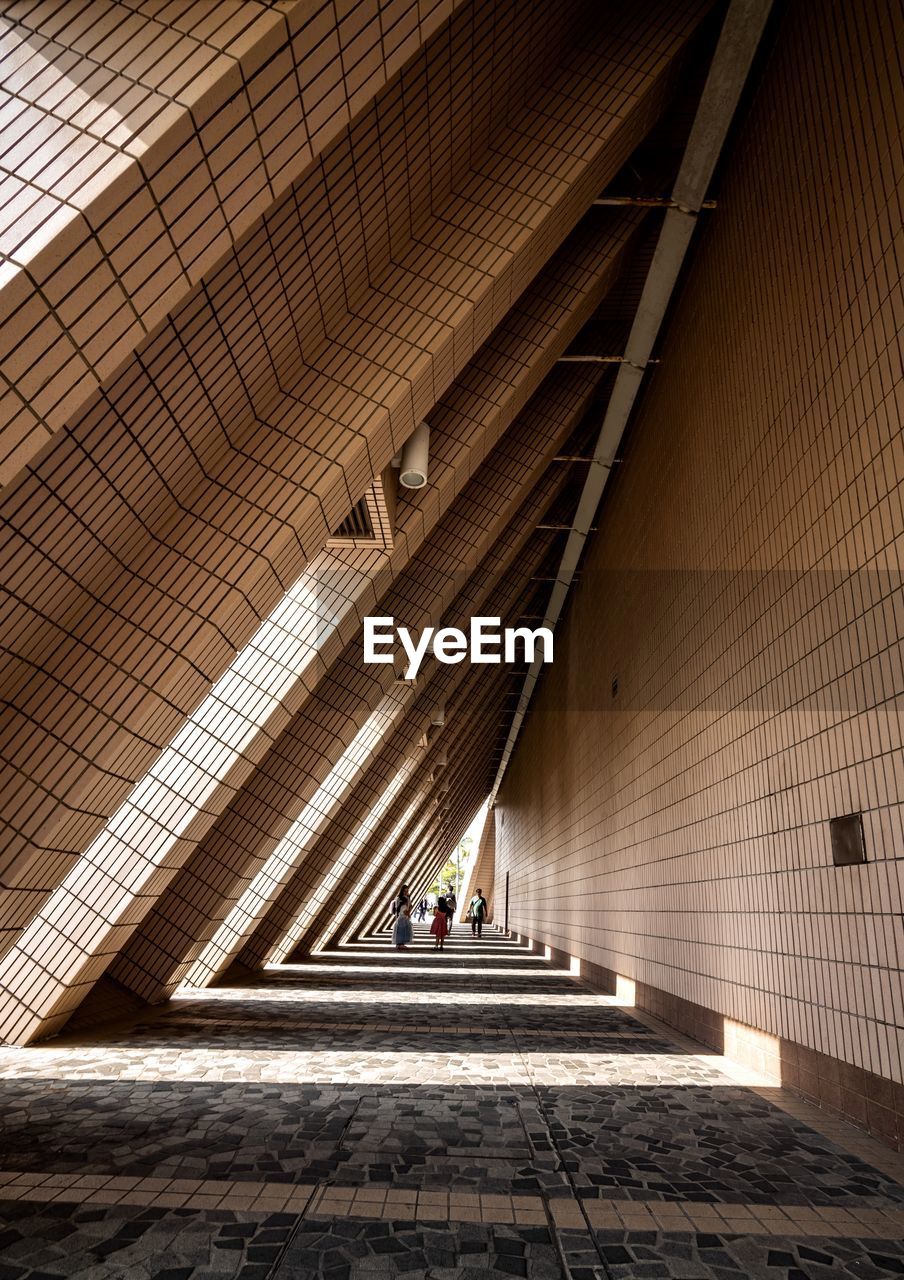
(401, 912)
(440, 926)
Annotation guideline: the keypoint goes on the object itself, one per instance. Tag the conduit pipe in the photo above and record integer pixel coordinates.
(738, 40)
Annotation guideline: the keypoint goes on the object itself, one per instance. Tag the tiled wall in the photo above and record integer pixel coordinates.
(338, 258)
(175, 510)
(483, 870)
(494, 589)
(300, 744)
(432, 586)
(138, 149)
(729, 675)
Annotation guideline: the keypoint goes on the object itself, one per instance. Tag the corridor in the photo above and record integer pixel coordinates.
(372, 1113)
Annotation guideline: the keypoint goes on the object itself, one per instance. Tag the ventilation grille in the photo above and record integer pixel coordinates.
(357, 523)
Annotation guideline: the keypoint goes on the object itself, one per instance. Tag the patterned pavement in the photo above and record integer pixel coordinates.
(375, 1114)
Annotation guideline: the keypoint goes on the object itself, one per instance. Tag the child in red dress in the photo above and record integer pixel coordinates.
(440, 926)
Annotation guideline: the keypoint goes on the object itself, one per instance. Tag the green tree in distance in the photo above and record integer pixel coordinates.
(455, 869)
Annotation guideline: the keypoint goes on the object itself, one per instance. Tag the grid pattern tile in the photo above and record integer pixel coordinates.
(742, 605)
(177, 509)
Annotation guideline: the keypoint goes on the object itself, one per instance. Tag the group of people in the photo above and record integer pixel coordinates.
(443, 914)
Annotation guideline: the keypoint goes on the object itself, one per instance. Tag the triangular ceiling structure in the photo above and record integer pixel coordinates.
(315, 255)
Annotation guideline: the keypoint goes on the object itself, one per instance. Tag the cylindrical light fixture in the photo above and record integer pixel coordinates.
(415, 458)
(439, 715)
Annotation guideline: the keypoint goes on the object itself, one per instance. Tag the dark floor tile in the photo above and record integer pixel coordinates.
(683, 1256)
(710, 1142)
(128, 1243)
(366, 1249)
(639, 1117)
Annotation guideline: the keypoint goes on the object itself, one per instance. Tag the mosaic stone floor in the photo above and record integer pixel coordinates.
(374, 1114)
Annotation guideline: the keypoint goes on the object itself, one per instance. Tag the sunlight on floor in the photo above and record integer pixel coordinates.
(398, 1064)
(366, 996)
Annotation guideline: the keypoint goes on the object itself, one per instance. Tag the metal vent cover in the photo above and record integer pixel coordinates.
(357, 523)
(848, 843)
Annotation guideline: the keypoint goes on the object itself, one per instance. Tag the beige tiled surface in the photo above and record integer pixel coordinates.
(170, 1193)
(178, 507)
(682, 836)
(744, 587)
(481, 403)
(249, 1198)
(374, 1202)
(269, 818)
(136, 153)
(483, 871)
(746, 1219)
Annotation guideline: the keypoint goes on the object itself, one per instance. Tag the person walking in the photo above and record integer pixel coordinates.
(440, 926)
(451, 904)
(422, 911)
(477, 913)
(400, 910)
